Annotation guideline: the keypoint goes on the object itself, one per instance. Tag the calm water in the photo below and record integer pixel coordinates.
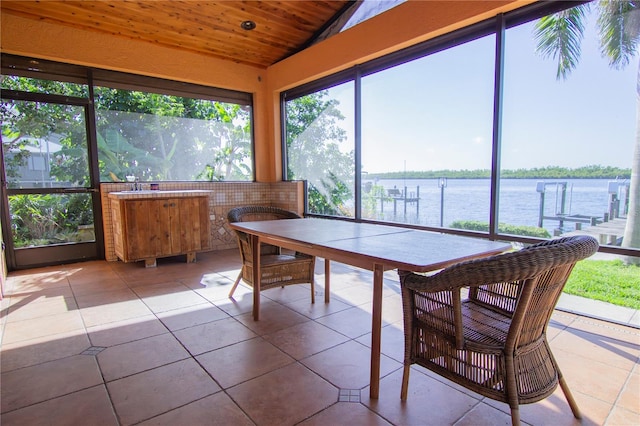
(468, 199)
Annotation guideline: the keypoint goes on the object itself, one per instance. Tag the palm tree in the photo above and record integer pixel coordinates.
(560, 36)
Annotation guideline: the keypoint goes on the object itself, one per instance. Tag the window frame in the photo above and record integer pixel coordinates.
(496, 25)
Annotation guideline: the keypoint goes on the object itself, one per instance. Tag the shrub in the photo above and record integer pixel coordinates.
(503, 228)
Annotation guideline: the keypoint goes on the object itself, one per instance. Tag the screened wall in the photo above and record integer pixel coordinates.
(493, 130)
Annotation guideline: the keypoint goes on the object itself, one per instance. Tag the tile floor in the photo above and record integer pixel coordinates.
(101, 343)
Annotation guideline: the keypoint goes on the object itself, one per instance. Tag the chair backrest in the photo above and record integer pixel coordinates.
(531, 281)
(524, 284)
(257, 213)
(254, 213)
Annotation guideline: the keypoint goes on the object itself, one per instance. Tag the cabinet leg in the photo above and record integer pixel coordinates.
(150, 263)
(191, 257)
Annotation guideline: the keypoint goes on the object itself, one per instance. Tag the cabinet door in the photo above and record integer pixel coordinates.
(194, 220)
(140, 231)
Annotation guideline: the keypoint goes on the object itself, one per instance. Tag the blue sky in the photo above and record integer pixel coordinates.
(436, 113)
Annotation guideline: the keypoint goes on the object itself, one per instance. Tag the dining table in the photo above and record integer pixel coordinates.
(371, 246)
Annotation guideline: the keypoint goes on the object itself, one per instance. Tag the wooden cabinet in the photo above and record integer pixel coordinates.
(148, 228)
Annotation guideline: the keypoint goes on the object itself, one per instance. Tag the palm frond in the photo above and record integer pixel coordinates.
(619, 30)
(560, 36)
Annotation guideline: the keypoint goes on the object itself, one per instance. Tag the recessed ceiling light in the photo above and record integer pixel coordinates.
(247, 25)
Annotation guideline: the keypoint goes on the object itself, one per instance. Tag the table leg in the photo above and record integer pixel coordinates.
(257, 274)
(327, 279)
(376, 331)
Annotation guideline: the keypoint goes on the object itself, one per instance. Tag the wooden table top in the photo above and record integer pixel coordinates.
(366, 244)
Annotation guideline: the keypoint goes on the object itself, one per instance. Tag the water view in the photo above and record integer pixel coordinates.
(469, 199)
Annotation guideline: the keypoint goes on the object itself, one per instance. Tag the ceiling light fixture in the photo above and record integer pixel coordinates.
(247, 25)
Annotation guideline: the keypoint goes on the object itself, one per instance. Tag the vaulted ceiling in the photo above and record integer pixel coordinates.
(213, 28)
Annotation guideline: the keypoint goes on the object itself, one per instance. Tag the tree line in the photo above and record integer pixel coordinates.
(549, 172)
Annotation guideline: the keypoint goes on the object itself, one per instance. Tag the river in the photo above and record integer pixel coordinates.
(469, 199)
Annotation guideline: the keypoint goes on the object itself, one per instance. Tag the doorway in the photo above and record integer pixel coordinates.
(50, 196)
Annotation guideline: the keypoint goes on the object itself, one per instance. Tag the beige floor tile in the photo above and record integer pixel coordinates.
(118, 332)
(306, 339)
(30, 385)
(214, 410)
(212, 285)
(94, 285)
(629, 398)
(285, 396)
(133, 357)
(168, 296)
(35, 328)
(429, 401)
(392, 341)
(37, 296)
(29, 281)
(348, 365)
(621, 417)
(190, 316)
(555, 410)
(484, 415)
(43, 308)
(318, 309)
(597, 347)
(353, 322)
(43, 349)
(346, 413)
(154, 392)
(243, 361)
(44, 379)
(111, 306)
(213, 335)
(273, 317)
(289, 294)
(240, 303)
(579, 373)
(86, 407)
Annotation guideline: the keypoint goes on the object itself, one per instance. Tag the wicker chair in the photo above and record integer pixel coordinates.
(492, 339)
(278, 269)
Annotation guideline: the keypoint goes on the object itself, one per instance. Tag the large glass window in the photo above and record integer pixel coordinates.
(157, 137)
(425, 124)
(320, 147)
(569, 126)
(536, 142)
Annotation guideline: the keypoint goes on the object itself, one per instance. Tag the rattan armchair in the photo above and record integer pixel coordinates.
(278, 269)
(482, 324)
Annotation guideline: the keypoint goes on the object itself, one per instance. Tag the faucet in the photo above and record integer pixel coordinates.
(135, 183)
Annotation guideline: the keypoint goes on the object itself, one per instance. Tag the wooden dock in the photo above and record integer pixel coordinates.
(610, 232)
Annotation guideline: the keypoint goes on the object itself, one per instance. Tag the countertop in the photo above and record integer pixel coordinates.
(126, 195)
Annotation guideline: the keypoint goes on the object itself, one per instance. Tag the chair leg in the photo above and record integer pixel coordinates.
(569, 396)
(405, 382)
(313, 291)
(235, 285)
(515, 416)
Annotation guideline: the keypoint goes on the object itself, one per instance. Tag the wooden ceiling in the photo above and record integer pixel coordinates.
(207, 27)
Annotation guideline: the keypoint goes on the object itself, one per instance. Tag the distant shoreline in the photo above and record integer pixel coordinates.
(551, 172)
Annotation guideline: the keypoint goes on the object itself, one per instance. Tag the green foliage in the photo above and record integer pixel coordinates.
(503, 228)
(549, 172)
(371, 198)
(608, 281)
(149, 135)
(313, 140)
(48, 219)
(329, 200)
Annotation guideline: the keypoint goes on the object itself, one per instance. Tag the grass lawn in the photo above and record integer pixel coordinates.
(606, 280)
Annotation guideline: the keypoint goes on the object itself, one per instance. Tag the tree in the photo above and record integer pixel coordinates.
(313, 152)
(560, 36)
